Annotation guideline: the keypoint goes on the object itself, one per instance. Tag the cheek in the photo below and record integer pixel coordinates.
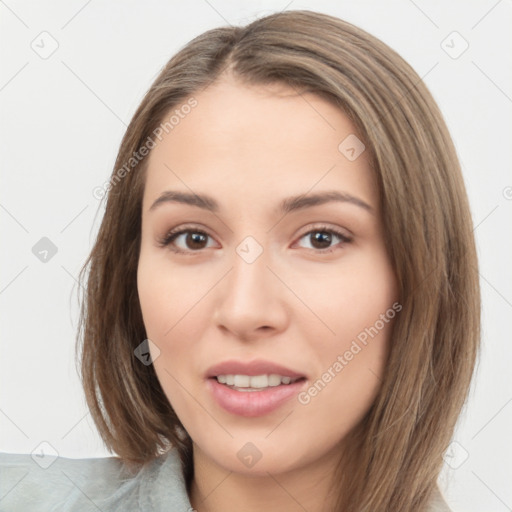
(350, 300)
(168, 298)
(357, 309)
(175, 314)
(165, 298)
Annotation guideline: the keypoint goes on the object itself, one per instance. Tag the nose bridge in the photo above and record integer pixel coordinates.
(250, 297)
(249, 280)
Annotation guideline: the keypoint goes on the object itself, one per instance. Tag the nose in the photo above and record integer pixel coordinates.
(251, 300)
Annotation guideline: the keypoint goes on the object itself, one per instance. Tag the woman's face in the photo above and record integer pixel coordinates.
(281, 274)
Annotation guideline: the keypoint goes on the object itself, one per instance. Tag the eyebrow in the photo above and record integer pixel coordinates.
(288, 205)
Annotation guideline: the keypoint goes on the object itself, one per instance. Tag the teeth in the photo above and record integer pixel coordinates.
(242, 381)
(257, 381)
(274, 380)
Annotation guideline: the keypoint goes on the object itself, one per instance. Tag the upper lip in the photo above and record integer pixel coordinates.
(251, 368)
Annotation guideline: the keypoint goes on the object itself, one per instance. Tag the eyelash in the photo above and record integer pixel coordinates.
(170, 236)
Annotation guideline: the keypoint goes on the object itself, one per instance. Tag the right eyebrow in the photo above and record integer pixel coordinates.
(199, 200)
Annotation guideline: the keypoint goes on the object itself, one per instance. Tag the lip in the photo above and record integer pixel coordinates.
(251, 368)
(252, 403)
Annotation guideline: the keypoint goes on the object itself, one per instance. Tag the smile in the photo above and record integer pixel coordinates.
(254, 383)
(250, 401)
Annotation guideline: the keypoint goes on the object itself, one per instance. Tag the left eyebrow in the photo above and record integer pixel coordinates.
(306, 201)
(288, 205)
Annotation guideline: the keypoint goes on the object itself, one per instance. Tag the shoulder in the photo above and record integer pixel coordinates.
(63, 484)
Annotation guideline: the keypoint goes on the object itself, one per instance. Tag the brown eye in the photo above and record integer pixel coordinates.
(321, 239)
(186, 240)
(195, 240)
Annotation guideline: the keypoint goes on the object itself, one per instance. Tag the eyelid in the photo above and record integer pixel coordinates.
(170, 235)
(326, 226)
(343, 234)
(173, 233)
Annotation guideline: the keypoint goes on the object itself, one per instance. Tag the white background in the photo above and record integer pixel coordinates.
(62, 119)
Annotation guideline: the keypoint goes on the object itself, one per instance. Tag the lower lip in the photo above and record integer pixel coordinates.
(253, 403)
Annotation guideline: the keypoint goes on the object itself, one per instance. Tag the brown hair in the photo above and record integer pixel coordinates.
(400, 443)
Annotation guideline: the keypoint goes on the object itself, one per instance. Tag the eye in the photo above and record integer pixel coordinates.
(188, 240)
(321, 238)
(185, 240)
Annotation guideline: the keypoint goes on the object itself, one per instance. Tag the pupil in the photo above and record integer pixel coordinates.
(321, 237)
(197, 238)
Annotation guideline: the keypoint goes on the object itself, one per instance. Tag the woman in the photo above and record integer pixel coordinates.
(282, 305)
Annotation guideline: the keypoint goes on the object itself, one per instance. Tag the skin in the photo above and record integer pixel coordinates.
(250, 147)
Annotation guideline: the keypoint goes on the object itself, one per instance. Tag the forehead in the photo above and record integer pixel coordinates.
(257, 142)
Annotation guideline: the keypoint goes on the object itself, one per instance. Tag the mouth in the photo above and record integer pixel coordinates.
(255, 382)
(253, 389)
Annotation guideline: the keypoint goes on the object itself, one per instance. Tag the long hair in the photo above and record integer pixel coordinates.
(398, 446)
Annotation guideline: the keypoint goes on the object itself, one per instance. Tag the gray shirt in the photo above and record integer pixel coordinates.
(99, 485)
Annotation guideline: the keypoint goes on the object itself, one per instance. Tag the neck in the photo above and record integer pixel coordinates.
(216, 489)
